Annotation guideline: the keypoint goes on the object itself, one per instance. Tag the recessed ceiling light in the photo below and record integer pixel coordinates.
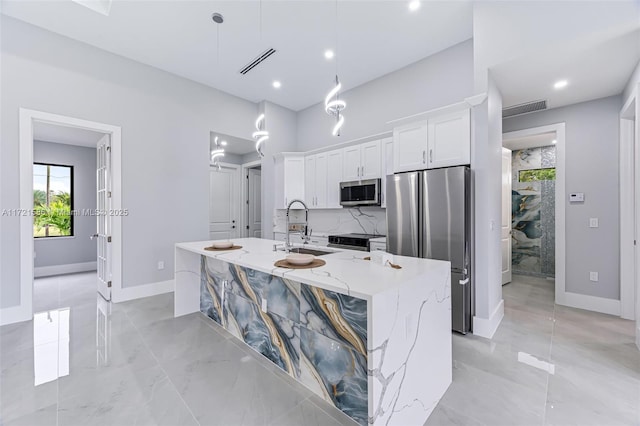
(223, 143)
(554, 141)
(329, 54)
(414, 5)
(277, 84)
(560, 84)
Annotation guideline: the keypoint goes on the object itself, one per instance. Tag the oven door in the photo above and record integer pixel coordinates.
(360, 193)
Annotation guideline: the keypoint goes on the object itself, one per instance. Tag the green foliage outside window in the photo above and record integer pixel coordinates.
(52, 200)
(536, 175)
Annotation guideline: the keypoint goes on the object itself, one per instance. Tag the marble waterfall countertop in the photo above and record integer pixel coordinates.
(345, 271)
(373, 341)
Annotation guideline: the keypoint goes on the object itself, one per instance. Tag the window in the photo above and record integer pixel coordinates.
(52, 200)
(535, 175)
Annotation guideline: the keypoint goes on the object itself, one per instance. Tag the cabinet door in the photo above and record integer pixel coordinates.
(387, 168)
(351, 163)
(410, 147)
(293, 179)
(310, 180)
(450, 140)
(370, 160)
(320, 178)
(334, 177)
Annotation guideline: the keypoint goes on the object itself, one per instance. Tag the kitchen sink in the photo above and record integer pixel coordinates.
(314, 252)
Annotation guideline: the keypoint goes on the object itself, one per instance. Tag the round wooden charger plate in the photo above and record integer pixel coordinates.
(223, 249)
(284, 264)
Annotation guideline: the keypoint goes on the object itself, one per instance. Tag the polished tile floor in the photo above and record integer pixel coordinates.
(84, 362)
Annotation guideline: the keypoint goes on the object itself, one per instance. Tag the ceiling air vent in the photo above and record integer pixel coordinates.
(524, 108)
(257, 61)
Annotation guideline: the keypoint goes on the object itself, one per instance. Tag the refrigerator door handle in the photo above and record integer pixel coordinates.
(465, 281)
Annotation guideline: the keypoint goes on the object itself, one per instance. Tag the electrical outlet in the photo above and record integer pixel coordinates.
(593, 276)
(593, 222)
(160, 265)
(264, 305)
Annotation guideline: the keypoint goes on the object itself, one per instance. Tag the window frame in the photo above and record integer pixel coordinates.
(71, 196)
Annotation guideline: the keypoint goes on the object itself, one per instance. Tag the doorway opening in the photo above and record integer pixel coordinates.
(51, 139)
(533, 204)
(252, 197)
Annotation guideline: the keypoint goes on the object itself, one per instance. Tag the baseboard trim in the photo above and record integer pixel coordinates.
(14, 314)
(486, 327)
(591, 303)
(70, 268)
(144, 290)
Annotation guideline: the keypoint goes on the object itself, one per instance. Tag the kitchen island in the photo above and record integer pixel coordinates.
(372, 340)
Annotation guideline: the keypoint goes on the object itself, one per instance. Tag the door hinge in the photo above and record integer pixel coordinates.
(247, 201)
(108, 239)
(109, 284)
(247, 226)
(108, 194)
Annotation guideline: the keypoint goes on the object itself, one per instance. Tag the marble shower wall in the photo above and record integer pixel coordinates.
(533, 214)
(361, 220)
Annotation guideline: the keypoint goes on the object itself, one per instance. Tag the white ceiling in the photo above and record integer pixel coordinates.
(529, 45)
(373, 39)
(67, 135)
(234, 145)
(533, 141)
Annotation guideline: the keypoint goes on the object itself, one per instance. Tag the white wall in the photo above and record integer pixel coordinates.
(166, 122)
(281, 124)
(486, 163)
(441, 79)
(79, 248)
(592, 167)
(631, 85)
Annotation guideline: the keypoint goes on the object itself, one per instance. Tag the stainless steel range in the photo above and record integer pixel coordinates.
(352, 241)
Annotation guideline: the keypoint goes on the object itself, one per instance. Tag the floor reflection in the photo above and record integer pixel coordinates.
(51, 345)
(103, 331)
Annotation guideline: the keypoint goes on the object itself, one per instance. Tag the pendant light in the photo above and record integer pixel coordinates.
(333, 105)
(216, 153)
(260, 135)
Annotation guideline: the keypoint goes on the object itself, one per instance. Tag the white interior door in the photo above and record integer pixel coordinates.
(224, 188)
(103, 186)
(254, 203)
(505, 235)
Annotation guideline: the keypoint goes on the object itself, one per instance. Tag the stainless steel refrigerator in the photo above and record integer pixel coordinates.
(429, 216)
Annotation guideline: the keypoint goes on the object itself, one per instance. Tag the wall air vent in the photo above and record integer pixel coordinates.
(524, 108)
(257, 61)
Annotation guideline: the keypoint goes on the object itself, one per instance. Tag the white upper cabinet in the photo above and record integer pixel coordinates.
(315, 180)
(370, 160)
(334, 177)
(441, 141)
(387, 168)
(410, 147)
(362, 161)
(450, 140)
(289, 178)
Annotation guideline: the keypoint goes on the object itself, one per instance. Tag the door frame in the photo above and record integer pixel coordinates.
(629, 199)
(243, 206)
(561, 296)
(27, 119)
(509, 272)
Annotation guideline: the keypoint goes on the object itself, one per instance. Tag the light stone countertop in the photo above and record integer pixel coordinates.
(345, 271)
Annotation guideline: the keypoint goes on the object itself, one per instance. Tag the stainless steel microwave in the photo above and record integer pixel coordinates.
(360, 193)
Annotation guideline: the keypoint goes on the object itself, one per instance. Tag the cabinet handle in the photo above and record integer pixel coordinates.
(362, 171)
(431, 156)
(424, 156)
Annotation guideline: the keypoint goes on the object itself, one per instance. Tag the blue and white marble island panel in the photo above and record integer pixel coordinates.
(373, 341)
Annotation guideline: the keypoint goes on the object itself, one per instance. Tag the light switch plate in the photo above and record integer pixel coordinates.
(593, 222)
(160, 265)
(593, 276)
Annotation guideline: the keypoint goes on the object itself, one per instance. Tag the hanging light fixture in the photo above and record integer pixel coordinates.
(260, 135)
(333, 105)
(216, 153)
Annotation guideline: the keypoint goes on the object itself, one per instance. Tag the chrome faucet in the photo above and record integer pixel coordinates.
(287, 245)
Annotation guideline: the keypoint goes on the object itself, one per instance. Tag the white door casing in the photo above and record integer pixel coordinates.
(224, 189)
(103, 218)
(254, 204)
(505, 235)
